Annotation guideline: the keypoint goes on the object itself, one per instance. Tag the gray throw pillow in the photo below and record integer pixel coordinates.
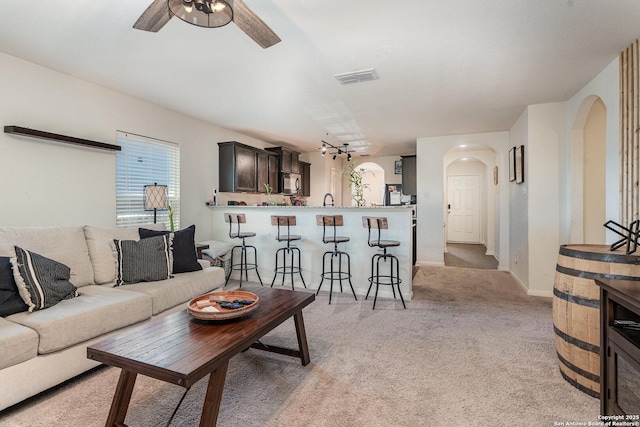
(10, 300)
(145, 260)
(42, 282)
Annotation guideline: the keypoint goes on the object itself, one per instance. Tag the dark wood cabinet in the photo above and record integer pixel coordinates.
(619, 348)
(274, 171)
(305, 178)
(289, 162)
(267, 170)
(242, 168)
(409, 185)
(262, 170)
(236, 167)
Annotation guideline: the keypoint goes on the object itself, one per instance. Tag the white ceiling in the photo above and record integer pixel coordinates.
(445, 66)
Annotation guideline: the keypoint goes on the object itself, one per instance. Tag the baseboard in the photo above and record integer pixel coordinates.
(519, 282)
(531, 292)
(534, 293)
(430, 264)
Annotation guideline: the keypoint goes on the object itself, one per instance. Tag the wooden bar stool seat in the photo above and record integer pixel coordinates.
(284, 224)
(244, 266)
(329, 225)
(393, 277)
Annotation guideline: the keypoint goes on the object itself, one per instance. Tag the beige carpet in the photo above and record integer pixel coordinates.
(467, 255)
(471, 350)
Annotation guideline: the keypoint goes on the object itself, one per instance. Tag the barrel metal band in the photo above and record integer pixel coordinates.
(575, 341)
(600, 256)
(580, 386)
(579, 371)
(587, 302)
(590, 275)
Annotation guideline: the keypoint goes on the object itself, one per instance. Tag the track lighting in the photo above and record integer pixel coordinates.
(344, 149)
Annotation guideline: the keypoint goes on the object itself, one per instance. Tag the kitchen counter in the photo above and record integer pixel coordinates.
(259, 221)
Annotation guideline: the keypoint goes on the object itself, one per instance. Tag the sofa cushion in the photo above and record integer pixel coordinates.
(42, 282)
(63, 244)
(100, 244)
(10, 300)
(181, 288)
(17, 344)
(145, 260)
(97, 311)
(185, 257)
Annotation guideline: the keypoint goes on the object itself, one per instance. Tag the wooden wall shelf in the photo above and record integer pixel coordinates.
(32, 133)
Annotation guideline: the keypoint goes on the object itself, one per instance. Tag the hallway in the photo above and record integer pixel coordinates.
(465, 255)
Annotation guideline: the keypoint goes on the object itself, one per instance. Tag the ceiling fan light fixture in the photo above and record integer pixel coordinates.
(206, 13)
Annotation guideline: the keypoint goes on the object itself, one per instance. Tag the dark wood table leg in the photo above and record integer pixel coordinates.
(302, 338)
(213, 397)
(121, 399)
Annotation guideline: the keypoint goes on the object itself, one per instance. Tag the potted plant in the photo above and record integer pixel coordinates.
(356, 183)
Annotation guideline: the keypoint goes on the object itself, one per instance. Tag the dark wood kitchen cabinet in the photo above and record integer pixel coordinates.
(409, 185)
(267, 170)
(305, 178)
(289, 162)
(242, 168)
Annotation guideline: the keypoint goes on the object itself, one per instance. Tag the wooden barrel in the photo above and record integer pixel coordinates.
(576, 308)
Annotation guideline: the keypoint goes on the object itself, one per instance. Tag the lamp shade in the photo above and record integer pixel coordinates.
(155, 197)
(203, 13)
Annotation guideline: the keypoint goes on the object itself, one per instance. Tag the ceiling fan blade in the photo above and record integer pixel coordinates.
(252, 25)
(154, 17)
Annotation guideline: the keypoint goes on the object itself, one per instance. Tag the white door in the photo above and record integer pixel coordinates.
(463, 199)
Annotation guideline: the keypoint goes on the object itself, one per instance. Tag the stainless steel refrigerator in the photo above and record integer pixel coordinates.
(392, 194)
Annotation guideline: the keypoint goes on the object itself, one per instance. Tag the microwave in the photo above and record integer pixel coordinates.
(290, 183)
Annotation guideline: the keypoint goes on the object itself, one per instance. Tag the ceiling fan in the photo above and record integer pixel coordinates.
(207, 13)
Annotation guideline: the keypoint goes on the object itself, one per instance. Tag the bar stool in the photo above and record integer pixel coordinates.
(334, 221)
(244, 266)
(393, 278)
(283, 268)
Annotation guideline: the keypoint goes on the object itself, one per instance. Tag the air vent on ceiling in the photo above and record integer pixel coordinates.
(357, 76)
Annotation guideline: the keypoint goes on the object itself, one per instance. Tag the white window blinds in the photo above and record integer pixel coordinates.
(145, 161)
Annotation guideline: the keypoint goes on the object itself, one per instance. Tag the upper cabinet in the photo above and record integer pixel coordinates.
(242, 168)
(289, 162)
(305, 177)
(267, 170)
(409, 175)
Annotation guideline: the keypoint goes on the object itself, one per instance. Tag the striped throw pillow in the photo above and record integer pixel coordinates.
(41, 282)
(146, 260)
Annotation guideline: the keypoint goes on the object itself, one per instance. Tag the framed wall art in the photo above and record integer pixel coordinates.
(398, 167)
(512, 164)
(519, 158)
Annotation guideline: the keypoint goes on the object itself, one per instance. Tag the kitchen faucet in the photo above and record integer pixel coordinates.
(324, 201)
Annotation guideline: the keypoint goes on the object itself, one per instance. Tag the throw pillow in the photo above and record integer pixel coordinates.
(42, 282)
(146, 260)
(183, 250)
(10, 301)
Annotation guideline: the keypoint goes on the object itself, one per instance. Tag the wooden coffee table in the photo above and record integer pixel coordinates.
(181, 350)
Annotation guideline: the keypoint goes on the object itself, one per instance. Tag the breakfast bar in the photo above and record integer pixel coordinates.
(258, 220)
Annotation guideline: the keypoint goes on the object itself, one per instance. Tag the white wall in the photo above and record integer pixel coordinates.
(547, 133)
(519, 206)
(48, 183)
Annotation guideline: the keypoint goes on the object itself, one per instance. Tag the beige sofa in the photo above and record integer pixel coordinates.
(43, 348)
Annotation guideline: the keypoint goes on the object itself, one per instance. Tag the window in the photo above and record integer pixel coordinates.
(145, 161)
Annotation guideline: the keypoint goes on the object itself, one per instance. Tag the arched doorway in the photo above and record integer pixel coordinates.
(465, 201)
(470, 207)
(588, 191)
